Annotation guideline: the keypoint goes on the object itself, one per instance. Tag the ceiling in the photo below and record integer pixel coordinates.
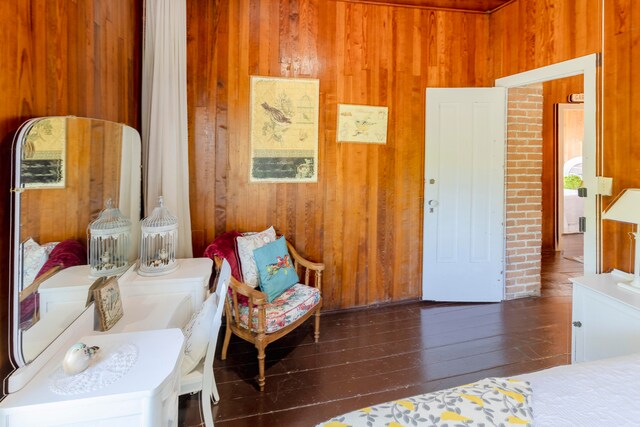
(467, 5)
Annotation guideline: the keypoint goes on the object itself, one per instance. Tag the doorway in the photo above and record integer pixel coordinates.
(569, 132)
(583, 68)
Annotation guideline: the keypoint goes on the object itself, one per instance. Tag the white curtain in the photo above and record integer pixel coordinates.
(164, 113)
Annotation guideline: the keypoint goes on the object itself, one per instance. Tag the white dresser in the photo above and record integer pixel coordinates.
(140, 390)
(606, 318)
(147, 393)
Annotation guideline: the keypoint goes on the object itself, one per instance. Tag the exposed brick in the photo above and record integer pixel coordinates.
(524, 192)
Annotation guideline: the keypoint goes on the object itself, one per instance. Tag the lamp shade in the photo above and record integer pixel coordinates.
(625, 207)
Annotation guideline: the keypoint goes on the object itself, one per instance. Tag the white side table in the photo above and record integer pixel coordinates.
(606, 318)
(144, 394)
(191, 277)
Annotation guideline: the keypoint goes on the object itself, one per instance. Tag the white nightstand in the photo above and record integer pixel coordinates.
(146, 394)
(606, 318)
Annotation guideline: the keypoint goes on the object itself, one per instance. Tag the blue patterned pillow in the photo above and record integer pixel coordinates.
(275, 268)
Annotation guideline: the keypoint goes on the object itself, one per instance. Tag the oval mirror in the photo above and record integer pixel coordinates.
(64, 171)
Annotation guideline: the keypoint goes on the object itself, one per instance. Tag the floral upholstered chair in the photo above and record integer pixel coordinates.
(257, 315)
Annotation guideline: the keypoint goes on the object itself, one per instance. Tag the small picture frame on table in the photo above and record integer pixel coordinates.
(105, 293)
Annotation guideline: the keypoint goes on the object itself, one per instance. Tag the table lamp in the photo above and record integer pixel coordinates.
(626, 208)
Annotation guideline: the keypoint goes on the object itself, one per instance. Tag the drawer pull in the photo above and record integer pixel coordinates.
(577, 324)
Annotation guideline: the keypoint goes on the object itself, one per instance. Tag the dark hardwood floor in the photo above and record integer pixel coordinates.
(377, 354)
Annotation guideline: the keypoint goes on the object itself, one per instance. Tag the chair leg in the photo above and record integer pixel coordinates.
(316, 335)
(206, 410)
(215, 396)
(225, 346)
(261, 379)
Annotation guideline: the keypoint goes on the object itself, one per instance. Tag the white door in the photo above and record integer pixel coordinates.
(463, 253)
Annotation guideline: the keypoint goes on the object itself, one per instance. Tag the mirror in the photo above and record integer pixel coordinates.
(64, 170)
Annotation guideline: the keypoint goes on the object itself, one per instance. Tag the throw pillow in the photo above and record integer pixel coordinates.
(67, 253)
(224, 246)
(33, 258)
(197, 334)
(275, 267)
(246, 245)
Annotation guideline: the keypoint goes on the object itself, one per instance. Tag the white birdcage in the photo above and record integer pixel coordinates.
(109, 240)
(159, 241)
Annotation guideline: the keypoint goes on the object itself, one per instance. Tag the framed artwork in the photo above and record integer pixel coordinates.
(43, 156)
(284, 129)
(362, 123)
(106, 295)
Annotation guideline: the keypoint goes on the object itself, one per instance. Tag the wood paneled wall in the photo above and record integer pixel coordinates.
(621, 120)
(529, 34)
(554, 92)
(364, 216)
(59, 57)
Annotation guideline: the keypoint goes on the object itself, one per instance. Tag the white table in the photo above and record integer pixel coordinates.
(146, 395)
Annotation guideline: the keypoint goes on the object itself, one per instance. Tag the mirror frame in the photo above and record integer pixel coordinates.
(15, 255)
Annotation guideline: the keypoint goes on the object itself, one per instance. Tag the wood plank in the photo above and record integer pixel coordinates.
(364, 216)
(455, 5)
(370, 356)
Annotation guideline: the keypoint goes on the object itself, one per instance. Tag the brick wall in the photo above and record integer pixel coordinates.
(523, 226)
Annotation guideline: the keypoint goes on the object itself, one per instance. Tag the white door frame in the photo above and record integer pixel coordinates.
(585, 65)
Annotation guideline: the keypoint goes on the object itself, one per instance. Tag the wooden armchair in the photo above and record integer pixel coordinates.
(271, 321)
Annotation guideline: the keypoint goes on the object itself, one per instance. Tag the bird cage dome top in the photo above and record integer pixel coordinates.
(110, 221)
(159, 241)
(160, 220)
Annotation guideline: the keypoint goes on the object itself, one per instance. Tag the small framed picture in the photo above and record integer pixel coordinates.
(108, 303)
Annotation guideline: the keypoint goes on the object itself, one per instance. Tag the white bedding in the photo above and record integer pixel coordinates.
(600, 394)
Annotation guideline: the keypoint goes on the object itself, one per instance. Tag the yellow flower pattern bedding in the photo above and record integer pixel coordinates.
(489, 402)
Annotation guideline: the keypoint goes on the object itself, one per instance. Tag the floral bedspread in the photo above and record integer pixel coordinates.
(489, 402)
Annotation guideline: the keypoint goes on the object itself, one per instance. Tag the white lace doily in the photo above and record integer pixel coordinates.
(105, 370)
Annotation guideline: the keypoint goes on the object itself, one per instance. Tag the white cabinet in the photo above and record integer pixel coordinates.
(606, 318)
(145, 394)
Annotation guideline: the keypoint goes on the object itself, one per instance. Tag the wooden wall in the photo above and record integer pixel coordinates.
(621, 119)
(529, 34)
(532, 33)
(364, 216)
(59, 57)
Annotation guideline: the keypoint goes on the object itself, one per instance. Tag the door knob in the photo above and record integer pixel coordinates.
(433, 203)
(577, 324)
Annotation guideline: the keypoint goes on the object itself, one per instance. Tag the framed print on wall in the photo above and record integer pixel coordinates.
(44, 155)
(284, 129)
(362, 123)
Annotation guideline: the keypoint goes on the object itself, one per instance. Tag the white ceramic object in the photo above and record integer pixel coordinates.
(78, 358)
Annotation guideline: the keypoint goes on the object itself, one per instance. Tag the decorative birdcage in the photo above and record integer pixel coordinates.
(159, 242)
(109, 240)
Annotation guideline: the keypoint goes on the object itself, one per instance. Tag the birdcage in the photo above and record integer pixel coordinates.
(109, 240)
(159, 241)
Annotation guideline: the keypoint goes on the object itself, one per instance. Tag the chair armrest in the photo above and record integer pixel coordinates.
(256, 298)
(309, 266)
(316, 266)
(242, 288)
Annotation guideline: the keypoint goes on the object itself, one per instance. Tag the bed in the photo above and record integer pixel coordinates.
(598, 393)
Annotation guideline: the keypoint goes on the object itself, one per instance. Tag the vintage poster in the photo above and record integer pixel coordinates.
(284, 129)
(43, 154)
(362, 123)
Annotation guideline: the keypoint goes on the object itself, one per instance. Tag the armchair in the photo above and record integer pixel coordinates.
(251, 317)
